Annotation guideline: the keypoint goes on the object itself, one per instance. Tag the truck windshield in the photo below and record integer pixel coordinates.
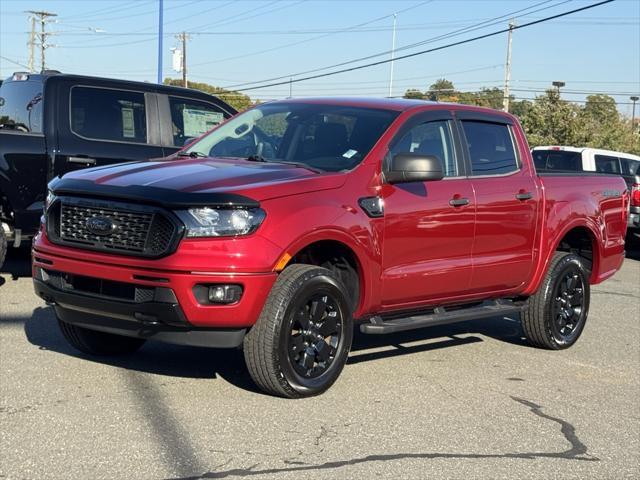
(321, 137)
(21, 106)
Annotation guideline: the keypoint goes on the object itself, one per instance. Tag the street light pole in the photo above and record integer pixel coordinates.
(393, 52)
(160, 34)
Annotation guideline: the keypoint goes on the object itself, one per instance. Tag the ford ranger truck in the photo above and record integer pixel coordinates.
(291, 223)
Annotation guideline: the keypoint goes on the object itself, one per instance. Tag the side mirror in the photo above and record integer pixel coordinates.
(414, 167)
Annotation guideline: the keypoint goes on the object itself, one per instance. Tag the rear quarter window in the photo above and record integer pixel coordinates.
(21, 106)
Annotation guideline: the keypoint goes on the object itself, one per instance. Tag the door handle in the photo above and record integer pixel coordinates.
(524, 196)
(82, 160)
(458, 202)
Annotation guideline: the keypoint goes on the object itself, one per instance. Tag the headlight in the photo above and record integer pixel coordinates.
(220, 222)
(48, 200)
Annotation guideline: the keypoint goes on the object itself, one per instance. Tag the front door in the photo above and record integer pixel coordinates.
(429, 226)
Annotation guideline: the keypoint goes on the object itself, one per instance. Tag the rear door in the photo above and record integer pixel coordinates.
(506, 203)
(429, 226)
(102, 123)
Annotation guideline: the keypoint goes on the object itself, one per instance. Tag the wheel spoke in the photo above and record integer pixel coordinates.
(329, 326)
(324, 351)
(297, 343)
(572, 281)
(318, 308)
(576, 298)
(308, 360)
(302, 318)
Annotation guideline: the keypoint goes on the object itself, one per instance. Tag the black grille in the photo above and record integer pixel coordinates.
(125, 229)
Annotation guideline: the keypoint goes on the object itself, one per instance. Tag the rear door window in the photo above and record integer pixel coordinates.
(21, 106)
(106, 114)
(191, 118)
(490, 147)
(607, 164)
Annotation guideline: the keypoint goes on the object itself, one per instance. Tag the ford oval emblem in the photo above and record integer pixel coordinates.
(100, 225)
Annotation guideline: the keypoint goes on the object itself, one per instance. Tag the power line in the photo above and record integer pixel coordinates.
(343, 30)
(430, 50)
(429, 40)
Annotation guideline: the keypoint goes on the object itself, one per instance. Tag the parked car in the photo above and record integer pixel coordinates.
(53, 123)
(297, 218)
(572, 159)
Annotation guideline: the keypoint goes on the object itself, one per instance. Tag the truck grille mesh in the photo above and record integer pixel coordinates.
(147, 233)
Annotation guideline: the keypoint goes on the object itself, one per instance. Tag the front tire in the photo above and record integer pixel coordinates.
(94, 342)
(301, 342)
(557, 312)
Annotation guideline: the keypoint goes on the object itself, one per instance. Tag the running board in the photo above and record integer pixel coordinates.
(440, 316)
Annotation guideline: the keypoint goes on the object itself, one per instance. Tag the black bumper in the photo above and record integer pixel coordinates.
(154, 320)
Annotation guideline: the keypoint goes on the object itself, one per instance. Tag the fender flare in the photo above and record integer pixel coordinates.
(592, 227)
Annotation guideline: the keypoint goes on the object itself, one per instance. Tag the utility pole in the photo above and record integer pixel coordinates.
(160, 35)
(393, 53)
(290, 87)
(634, 99)
(507, 69)
(32, 44)
(43, 18)
(183, 37)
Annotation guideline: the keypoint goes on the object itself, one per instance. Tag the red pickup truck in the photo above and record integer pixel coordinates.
(289, 223)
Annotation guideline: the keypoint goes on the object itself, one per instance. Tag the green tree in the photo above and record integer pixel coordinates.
(441, 90)
(414, 93)
(237, 100)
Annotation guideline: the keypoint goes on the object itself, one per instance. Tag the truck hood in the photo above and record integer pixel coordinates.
(256, 180)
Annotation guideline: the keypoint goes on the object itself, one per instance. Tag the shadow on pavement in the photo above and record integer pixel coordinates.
(41, 329)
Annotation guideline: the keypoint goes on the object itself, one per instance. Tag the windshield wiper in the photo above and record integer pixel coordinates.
(191, 154)
(260, 158)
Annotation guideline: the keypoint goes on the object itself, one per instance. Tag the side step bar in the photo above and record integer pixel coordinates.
(440, 316)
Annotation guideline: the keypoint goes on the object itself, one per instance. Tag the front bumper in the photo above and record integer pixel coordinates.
(162, 321)
(180, 306)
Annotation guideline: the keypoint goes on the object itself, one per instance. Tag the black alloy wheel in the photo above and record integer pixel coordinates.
(314, 335)
(568, 306)
(301, 342)
(557, 313)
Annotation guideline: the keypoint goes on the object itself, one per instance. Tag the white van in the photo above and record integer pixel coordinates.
(576, 159)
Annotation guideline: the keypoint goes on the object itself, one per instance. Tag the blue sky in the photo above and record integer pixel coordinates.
(235, 42)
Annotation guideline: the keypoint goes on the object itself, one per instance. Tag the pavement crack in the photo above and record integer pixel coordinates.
(578, 451)
(568, 430)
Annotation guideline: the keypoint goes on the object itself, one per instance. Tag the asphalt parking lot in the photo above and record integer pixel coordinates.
(457, 402)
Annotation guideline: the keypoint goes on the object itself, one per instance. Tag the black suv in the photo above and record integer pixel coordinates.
(52, 123)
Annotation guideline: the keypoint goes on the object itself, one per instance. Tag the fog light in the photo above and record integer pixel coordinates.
(225, 293)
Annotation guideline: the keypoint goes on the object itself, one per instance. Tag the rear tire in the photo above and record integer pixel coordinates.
(301, 342)
(94, 342)
(3, 246)
(557, 312)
